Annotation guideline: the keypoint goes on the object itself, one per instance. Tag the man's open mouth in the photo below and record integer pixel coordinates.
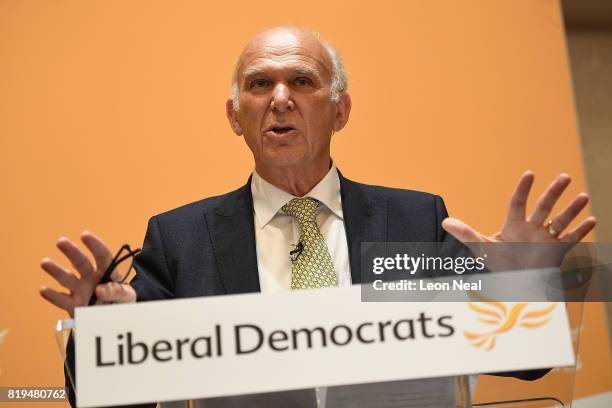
(281, 130)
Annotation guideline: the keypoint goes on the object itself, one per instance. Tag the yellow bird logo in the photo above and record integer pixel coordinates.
(497, 314)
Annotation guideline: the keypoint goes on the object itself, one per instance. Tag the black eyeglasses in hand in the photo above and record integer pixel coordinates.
(119, 268)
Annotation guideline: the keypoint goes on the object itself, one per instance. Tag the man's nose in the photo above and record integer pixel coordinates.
(281, 99)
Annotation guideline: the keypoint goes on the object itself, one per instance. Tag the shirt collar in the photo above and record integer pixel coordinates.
(268, 199)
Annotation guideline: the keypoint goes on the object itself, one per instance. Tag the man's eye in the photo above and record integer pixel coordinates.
(302, 81)
(259, 83)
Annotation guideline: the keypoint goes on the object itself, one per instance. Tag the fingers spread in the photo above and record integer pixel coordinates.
(76, 256)
(549, 198)
(461, 230)
(518, 202)
(61, 300)
(61, 275)
(580, 231)
(563, 219)
(114, 292)
(99, 250)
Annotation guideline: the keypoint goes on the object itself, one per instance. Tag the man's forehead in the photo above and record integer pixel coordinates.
(284, 47)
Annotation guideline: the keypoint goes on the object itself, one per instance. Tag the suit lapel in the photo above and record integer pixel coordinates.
(365, 220)
(232, 234)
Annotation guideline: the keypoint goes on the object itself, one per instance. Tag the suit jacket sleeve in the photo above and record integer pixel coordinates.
(441, 214)
(154, 279)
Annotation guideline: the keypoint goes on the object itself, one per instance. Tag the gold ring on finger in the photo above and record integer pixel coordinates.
(551, 230)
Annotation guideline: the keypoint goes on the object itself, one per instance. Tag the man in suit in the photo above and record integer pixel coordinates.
(289, 97)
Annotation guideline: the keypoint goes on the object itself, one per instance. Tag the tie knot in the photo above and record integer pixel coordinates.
(303, 209)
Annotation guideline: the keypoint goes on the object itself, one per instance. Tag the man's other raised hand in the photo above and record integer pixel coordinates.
(82, 284)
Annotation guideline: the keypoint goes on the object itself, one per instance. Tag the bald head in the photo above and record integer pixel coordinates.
(279, 40)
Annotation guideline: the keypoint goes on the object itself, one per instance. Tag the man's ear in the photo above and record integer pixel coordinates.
(344, 109)
(232, 116)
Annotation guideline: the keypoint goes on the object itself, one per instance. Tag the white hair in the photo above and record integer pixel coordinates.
(339, 83)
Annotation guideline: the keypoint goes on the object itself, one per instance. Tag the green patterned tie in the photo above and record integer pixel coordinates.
(312, 267)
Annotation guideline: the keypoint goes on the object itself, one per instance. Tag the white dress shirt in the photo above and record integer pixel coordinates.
(277, 232)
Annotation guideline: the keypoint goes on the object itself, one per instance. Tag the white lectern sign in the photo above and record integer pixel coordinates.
(244, 344)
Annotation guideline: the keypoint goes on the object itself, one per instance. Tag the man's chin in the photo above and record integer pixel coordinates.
(284, 163)
(284, 156)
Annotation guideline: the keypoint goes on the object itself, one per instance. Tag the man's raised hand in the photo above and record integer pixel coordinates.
(82, 284)
(519, 228)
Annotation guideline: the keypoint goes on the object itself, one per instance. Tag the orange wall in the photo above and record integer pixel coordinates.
(112, 111)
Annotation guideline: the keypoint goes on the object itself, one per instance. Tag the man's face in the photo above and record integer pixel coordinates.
(286, 113)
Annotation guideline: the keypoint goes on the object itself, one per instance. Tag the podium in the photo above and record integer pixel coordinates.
(556, 389)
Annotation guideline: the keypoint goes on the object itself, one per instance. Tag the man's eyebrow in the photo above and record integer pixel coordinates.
(252, 71)
(308, 71)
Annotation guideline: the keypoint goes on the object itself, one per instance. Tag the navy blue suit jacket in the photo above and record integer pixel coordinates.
(208, 247)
